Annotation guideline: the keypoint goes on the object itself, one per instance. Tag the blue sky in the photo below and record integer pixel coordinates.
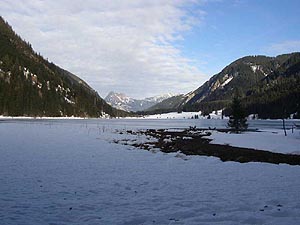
(149, 47)
(232, 29)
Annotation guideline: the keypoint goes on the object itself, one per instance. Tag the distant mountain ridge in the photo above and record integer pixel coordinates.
(33, 86)
(243, 73)
(269, 87)
(123, 102)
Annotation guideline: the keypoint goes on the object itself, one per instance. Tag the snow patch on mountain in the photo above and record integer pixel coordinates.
(226, 81)
(257, 68)
(189, 96)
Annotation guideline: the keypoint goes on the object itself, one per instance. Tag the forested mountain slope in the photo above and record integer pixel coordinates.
(33, 86)
(269, 87)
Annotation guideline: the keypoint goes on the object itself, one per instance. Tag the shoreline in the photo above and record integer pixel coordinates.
(127, 118)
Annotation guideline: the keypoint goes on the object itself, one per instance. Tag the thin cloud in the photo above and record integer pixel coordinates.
(126, 46)
(284, 47)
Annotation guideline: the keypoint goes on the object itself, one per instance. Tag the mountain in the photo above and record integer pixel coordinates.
(123, 102)
(269, 87)
(33, 86)
(278, 94)
(242, 74)
(167, 105)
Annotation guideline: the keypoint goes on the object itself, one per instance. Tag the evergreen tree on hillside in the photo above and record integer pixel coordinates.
(237, 120)
(32, 86)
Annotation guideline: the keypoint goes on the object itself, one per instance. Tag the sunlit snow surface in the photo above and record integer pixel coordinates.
(270, 140)
(70, 172)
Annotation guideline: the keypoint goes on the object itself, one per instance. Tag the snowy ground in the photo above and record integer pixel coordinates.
(71, 173)
(185, 115)
(271, 140)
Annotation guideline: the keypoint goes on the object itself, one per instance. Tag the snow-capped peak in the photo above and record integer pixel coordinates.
(160, 98)
(123, 102)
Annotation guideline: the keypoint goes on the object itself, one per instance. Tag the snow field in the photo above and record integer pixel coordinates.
(72, 173)
(270, 140)
(185, 115)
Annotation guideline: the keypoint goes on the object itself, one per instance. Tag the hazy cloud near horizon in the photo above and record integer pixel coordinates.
(284, 47)
(124, 46)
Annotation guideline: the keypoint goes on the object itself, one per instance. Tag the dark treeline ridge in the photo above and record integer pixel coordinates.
(268, 86)
(33, 86)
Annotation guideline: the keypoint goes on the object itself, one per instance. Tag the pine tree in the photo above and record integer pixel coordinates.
(237, 121)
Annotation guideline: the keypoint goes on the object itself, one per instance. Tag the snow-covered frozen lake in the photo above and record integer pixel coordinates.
(141, 123)
(70, 172)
